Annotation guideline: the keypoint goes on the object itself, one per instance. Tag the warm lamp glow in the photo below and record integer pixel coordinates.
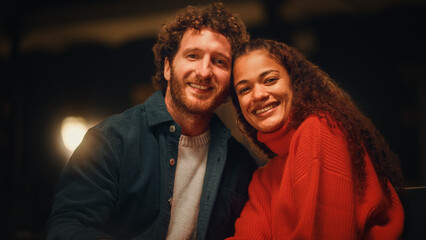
(73, 130)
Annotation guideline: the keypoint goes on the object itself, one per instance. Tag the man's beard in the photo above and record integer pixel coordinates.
(201, 106)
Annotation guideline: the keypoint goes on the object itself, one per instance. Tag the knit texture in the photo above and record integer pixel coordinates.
(190, 171)
(309, 192)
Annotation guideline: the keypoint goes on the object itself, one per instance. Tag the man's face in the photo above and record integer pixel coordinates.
(199, 76)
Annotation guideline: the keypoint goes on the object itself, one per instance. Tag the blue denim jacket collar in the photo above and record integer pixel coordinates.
(157, 113)
(157, 110)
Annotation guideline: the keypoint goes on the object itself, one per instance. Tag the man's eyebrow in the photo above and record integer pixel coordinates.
(227, 57)
(195, 49)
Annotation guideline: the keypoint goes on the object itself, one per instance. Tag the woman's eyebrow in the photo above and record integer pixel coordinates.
(267, 72)
(241, 82)
(263, 74)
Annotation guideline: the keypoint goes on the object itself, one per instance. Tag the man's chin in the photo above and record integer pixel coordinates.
(195, 95)
(199, 108)
(202, 104)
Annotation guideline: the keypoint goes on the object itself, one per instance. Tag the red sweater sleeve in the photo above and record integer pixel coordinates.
(320, 185)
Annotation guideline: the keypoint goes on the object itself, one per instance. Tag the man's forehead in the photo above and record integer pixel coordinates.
(207, 37)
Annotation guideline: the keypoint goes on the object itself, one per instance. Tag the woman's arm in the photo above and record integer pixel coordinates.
(322, 183)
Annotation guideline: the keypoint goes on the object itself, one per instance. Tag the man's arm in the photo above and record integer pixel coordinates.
(86, 192)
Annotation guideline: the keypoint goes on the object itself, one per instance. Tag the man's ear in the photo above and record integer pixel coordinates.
(167, 69)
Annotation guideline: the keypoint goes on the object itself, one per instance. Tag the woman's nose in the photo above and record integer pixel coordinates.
(259, 93)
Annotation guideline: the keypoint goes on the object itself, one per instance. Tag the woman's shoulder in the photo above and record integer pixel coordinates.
(317, 135)
(319, 125)
(320, 138)
(320, 119)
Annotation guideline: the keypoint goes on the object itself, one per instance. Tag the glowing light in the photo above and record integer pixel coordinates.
(72, 131)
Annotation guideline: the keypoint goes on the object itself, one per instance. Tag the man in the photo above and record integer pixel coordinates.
(168, 168)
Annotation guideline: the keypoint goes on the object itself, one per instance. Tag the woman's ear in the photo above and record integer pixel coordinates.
(167, 69)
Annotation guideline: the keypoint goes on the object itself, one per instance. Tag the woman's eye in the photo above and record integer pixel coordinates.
(243, 90)
(270, 80)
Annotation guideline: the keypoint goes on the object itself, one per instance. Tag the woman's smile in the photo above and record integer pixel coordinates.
(265, 109)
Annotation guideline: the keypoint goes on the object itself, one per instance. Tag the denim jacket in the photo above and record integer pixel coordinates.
(118, 183)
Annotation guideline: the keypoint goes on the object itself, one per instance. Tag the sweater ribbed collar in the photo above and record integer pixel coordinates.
(196, 141)
(278, 141)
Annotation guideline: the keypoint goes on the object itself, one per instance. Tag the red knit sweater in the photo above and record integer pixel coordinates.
(308, 191)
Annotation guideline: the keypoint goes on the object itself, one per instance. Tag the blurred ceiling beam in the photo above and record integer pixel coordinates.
(296, 10)
(112, 23)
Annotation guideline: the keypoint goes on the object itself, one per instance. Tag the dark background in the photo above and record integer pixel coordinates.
(94, 58)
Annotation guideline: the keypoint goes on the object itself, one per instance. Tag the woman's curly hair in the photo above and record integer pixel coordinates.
(215, 17)
(314, 92)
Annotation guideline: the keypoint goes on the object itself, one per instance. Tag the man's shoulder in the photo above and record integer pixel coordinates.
(239, 154)
(236, 146)
(125, 120)
(133, 116)
(236, 150)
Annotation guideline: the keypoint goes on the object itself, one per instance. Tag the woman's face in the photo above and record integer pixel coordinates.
(263, 89)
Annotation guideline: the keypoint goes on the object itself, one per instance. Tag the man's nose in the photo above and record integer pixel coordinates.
(204, 69)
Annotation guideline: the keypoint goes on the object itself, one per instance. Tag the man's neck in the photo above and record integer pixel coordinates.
(191, 124)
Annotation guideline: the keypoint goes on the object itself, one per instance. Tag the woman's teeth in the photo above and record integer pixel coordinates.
(198, 86)
(266, 109)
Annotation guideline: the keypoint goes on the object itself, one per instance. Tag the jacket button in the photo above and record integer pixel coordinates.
(172, 162)
(172, 128)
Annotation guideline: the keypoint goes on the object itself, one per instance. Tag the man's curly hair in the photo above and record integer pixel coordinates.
(215, 17)
(314, 92)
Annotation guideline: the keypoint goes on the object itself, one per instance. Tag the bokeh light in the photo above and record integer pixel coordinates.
(72, 131)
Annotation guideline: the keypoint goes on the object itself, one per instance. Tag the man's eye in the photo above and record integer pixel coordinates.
(222, 62)
(192, 56)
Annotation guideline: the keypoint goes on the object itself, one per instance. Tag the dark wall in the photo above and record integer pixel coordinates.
(379, 58)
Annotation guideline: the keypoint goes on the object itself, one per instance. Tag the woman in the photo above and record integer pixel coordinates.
(333, 176)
